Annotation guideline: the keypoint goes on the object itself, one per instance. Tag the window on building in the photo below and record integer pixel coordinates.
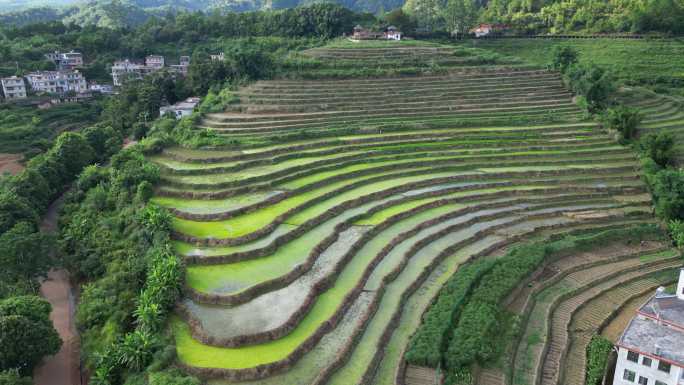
(664, 367)
(660, 383)
(646, 361)
(629, 375)
(643, 380)
(633, 356)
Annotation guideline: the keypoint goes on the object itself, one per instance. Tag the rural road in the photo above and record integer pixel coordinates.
(63, 367)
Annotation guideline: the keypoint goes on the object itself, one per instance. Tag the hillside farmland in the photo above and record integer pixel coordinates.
(315, 246)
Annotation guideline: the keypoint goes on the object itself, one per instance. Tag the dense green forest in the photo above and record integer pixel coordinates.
(453, 16)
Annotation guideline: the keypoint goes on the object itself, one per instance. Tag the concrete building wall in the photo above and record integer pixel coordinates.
(649, 372)
(13, 88)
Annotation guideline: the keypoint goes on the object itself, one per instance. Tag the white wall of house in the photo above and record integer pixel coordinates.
(644, 371)
(13, 88)
(57, 82)
(394, 35)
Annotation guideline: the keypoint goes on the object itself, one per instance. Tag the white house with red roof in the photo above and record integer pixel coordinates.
(651, 349)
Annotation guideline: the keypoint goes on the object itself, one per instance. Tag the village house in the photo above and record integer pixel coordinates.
(360, 33)
(154, 61)
(485, 29)
(392, 33)
(218, 57)
(180, 109)
(57, 82)
(127, 69)
(13, 88)
(66, 60)
(104, 89)
(651, 349)
(182, 66)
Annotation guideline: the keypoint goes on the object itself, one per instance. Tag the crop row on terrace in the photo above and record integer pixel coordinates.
(660, 113)
(326, 62)
(549, 349)
(643, 62)
(311, 261)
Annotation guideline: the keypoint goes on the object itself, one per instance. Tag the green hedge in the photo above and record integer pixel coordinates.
(428, 343)
(597, 358)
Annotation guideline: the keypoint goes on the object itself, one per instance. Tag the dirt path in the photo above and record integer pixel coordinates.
(64, 367)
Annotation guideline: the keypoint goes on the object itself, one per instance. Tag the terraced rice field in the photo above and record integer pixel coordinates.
(565, 304)
(312, 261)
(647, 62)
(661, 113)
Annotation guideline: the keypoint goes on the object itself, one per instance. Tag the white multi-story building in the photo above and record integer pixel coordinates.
(57, 82)
(154, 61)
(182, 66)
(125, 69)
(13, 87)
(66, 60)
(651, 349)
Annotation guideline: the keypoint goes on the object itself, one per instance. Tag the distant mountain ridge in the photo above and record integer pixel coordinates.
(121, 13)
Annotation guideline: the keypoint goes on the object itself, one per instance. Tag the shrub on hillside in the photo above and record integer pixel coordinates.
(563, 57)
(217, 101)
(171, 377)
(24, 254)
(676, 229)
(14, 209)
(104, 140)
(667, 187)
(659, 147)
(623, 119)
(26, 333)
(12, 377)
(591, 81)
(597, 358)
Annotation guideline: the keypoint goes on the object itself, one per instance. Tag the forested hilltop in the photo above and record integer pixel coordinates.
(453, 16)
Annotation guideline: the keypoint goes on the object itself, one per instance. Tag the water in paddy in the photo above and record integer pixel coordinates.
(322, 355)
(213, 206)
(274, 308)
(235, 277)
(369, 342)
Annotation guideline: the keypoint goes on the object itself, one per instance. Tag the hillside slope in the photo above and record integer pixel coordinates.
(315, 246)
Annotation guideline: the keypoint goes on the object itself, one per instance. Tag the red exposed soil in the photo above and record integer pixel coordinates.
(9, 163)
